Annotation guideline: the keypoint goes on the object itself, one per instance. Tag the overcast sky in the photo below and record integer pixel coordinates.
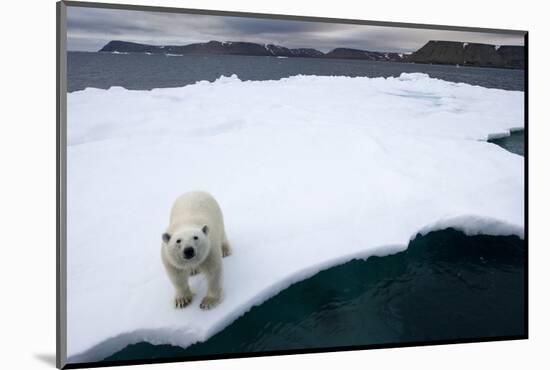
(89, 29)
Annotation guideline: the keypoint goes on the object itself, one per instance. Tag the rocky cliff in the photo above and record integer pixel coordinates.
(469, 54)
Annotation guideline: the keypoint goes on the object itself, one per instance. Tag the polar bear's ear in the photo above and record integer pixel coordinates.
(166, 237)
(205, 229)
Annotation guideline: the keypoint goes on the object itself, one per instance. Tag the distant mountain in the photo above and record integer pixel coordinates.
(436, 52)
(246, 48)
(313, 53)
(346, 53)
(130, 47)
(469, 54)
(212, 47)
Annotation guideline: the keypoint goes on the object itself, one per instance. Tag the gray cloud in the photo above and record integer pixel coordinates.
(89, 29)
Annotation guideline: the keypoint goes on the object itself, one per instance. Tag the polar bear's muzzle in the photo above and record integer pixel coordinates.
(188, 253)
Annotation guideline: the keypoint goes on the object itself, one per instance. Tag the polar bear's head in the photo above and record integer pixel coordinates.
(187, 247)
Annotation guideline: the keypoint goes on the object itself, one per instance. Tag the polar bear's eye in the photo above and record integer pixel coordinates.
(178, 241)
(196, 237)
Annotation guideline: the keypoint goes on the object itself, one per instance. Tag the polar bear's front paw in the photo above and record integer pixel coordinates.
(209, 302)
(182, 300)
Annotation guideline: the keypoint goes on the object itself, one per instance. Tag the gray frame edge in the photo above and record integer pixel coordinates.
(61, 169)
(150, 8)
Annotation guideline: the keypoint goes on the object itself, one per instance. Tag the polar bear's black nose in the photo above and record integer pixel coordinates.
(189, 252)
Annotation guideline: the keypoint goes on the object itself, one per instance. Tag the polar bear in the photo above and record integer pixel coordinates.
(195, 241)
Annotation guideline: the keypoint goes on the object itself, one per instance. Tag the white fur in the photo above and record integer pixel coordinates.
(196, 222)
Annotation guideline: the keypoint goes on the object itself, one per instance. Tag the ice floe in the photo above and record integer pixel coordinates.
(310, 172)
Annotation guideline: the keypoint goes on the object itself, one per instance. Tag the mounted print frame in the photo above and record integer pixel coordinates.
(237, 184)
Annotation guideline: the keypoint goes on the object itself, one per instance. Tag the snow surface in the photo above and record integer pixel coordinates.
(310, 172)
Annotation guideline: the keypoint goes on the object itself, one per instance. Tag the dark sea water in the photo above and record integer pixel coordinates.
(514, 143)
(445, 286)
(145, 72)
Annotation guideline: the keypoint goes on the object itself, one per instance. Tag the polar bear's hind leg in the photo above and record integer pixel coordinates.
(226, 248)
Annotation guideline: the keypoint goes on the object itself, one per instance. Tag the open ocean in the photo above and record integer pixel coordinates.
(445, 286)
(145, 72)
